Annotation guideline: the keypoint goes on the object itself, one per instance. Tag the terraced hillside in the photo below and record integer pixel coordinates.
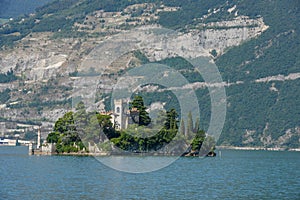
(254, 45)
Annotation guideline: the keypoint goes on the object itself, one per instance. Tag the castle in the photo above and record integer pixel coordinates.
(121, 116)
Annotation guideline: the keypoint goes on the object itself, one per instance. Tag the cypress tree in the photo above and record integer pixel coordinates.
(138, 103)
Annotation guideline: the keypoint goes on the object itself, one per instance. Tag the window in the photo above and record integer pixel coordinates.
(118, 109)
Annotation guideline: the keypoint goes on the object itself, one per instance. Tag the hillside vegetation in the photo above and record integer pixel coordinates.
(262, 73)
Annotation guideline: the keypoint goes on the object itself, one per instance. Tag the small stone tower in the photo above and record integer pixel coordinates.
(39, 138)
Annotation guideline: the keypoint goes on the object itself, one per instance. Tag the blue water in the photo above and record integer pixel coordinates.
(234, 175)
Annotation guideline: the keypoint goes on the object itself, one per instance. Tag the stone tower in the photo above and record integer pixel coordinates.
(120, 114)
(39, 138)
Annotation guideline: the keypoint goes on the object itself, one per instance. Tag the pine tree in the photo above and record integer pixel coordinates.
(171, 122)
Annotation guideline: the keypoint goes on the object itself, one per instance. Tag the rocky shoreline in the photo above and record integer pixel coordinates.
(103, 154)
(187, 154)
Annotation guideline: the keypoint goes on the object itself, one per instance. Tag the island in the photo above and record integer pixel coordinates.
(126, 132)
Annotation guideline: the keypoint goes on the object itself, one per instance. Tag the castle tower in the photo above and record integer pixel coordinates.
(120, 114)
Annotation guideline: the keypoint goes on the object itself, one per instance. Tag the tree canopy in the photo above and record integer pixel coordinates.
(143, 115)
(76, 130)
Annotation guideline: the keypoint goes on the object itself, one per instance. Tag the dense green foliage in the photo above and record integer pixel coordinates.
(282, 57)
(74, 131)
(253, 105)
(198, 141)
(5, 96)
(7, 77)
(139, 138)
(143, 116)
(171, 120)
(65, 135)
(190, 10)
(132, 139)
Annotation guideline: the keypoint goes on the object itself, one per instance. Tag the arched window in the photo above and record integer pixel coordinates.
(118, 109)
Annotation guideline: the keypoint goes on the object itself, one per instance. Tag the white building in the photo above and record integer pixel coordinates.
(8, 142)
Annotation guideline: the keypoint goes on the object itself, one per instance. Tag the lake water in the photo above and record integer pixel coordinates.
(234, 175)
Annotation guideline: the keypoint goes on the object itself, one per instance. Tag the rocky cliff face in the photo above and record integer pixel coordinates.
(38, 57)
(225, 34)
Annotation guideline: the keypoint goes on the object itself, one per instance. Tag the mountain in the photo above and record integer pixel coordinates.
(254, 45)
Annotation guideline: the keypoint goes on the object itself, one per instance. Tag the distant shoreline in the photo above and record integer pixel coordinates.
(104, 154)
(37, 152)
(257, 148)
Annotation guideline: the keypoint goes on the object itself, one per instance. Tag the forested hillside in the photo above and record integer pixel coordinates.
(262, 73)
